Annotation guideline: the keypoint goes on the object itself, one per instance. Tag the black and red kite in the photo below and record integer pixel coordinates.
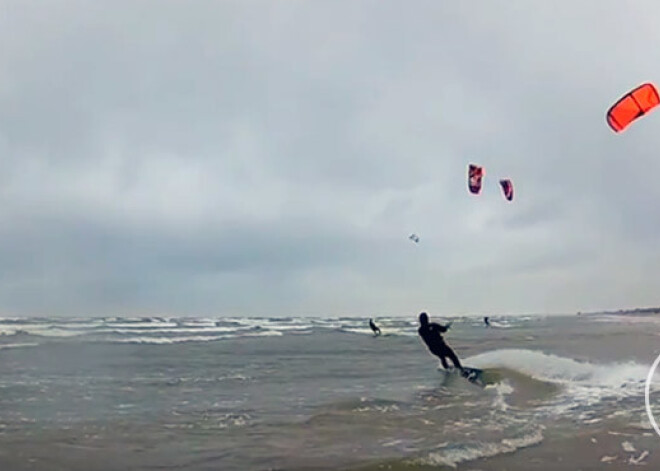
(507, 188)
(475, 175)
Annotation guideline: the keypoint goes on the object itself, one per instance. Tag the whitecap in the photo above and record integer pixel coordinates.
(452, 455)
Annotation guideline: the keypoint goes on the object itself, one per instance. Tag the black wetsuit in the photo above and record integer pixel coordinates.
(430, 333)
(374, 327)
(486, 321)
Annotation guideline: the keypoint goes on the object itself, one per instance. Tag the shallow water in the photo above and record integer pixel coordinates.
(311, 393)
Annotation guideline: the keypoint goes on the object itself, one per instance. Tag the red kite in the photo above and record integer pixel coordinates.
(632, 105)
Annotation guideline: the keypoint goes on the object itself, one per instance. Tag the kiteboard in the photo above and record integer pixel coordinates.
(473, 375)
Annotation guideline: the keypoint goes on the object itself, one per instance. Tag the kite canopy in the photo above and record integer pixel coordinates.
(414, 238)
(475, 175)
(507, 188)
(632, 105)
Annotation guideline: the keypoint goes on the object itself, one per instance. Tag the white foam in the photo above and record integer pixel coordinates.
(384, 331)
(548, 367)
(639, 460)
(169, 340)
(502, 389)
(18, 345)
(191, 338)
(140, 325)
(385, 408)
(233, 420)
(358, 331)
(287, 327)
(158, 330)
(453, 455)
(500, 325)
(266, 333)
(198, 323)
(628, 447)
(42, 330)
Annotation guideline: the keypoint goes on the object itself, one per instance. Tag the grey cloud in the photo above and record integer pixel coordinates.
(273, 157)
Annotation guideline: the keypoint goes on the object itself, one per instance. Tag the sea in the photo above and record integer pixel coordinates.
(163, 393)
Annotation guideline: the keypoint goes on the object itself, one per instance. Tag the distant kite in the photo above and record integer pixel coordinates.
(475, 175)
(507, 188)
(634, 104)
(414, 238)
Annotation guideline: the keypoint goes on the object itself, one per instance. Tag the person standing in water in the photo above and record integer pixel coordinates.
(374, 328)
(430, 334)
(486, 321)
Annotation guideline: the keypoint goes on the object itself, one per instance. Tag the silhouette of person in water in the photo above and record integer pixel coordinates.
(374, 327)
(486, 321)
(430, 333)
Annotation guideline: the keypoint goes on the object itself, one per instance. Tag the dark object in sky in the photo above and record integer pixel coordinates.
(475, 175)
(634, 104)
(414, 238)
(507, 188)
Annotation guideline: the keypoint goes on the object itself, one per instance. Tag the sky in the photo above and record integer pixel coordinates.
(271, 158)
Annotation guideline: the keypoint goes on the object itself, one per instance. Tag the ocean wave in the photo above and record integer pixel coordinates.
(140, 325)
(549, 367)
(191, 338)
(171, 328)
(18, 345)
(286, 327)
(199, 323)
(158, 330)
(583, 384)
(500, 325)
(452, 455)
(384, 331)
(44, 330)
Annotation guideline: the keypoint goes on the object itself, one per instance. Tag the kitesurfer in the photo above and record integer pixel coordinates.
(374, 328)
(430, 333)
(486, 321)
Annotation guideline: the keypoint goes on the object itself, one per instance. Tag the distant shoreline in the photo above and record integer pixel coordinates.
(645, 311)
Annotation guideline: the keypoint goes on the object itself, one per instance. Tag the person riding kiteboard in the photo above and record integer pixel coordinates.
(374, 328)
(430, 334)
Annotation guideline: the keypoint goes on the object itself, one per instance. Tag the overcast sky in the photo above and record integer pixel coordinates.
(272, 157)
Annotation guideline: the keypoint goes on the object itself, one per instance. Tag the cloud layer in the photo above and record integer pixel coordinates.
(271, 158)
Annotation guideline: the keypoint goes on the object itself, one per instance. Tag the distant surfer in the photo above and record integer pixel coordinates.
(430, 333)
(374, 328)
(486, 321)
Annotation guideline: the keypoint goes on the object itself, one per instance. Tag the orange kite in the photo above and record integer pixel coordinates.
(632, 105)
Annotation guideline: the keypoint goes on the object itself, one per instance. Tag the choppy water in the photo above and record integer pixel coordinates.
(296, 393)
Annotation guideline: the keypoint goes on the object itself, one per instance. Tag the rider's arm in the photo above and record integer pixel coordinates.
(441, 328)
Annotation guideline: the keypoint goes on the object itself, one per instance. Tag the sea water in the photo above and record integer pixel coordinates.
(324, 394)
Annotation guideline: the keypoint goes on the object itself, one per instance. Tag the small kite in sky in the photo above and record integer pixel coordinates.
(414, 238)
(507, 188)
(634, 104)
(475, 175)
